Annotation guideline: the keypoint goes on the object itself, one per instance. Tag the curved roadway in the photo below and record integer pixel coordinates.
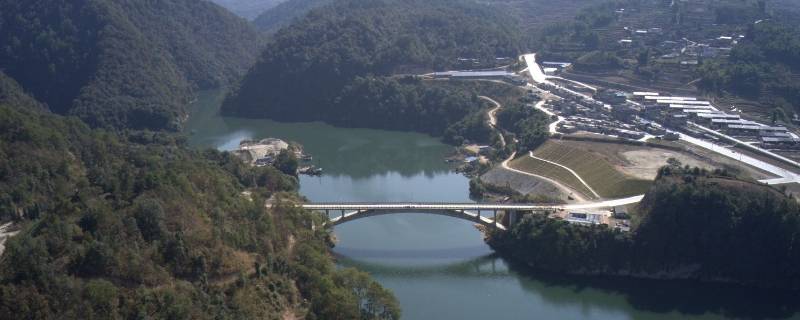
(428, 206)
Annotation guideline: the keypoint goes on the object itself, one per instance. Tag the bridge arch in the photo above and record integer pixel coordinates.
(469, 215)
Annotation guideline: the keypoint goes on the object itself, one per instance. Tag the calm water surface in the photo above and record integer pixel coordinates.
(439, 267)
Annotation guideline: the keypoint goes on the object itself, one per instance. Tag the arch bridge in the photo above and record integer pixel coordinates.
(484, 214)
(349, 211)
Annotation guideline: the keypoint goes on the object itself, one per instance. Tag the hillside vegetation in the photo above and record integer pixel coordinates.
(285, 13)
(311, 69)
(138, 226)
(692, 224)
(763, 66)
(122, 63)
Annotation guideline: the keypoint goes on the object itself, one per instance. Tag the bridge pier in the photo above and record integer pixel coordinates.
(513, 216)
(494, 212)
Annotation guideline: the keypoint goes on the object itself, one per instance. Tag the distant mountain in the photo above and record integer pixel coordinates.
(336, 52)
(248, 9)
(122, 63)
(286, 12)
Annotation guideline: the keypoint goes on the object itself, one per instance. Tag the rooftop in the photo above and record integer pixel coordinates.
(687, 102)
(718, 115)
(659, 97)
(691, 106)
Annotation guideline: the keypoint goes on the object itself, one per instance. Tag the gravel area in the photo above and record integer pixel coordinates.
(523, 184)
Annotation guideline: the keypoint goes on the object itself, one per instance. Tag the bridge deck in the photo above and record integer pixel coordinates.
(425, 206)
(467, 206)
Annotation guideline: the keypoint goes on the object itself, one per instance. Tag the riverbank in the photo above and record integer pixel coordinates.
(431, 262)
(692, 225)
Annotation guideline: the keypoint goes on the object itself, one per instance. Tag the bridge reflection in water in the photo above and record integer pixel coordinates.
(489, 265)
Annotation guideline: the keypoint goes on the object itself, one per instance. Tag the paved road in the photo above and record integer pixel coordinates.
(553, 125)
(425, 206)
(787, 173)
(786, 176)
(534, 69)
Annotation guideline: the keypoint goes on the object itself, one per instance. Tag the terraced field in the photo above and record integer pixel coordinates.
(596, 171)
(551, 171)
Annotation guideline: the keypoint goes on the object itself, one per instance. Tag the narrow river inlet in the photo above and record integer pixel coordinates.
(439, 267)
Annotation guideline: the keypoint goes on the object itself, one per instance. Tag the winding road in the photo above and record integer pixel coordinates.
(492, 114)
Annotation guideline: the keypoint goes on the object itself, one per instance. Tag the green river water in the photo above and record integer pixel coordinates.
(439, 267)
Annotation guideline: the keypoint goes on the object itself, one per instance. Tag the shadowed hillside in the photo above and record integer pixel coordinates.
(122, 63)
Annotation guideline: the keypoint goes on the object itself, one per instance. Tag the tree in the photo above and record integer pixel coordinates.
(286, 162)
(643, 58)
(150, 219)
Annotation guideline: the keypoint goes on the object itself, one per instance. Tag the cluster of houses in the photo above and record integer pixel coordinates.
(676, 111)
(607, 113)
(632, 116)
(605, 127)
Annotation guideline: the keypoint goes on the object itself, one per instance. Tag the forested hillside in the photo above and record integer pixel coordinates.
(763, 66)
(137, 226)
(12, 94)
(283, 14)
(692, 224)
(122, 63)
(310, 69)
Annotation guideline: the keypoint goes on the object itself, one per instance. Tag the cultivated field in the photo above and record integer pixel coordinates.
(551, 171)
(599, 173)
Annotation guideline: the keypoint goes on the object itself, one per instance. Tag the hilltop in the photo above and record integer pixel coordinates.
(338, 64)
(119, 63)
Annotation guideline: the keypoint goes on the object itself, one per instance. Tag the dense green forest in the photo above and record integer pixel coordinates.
(285, 13)
(528, 125)
(12, 94)
(763, 66)
(411, 104)
(692, 224)
(311, 69)
(123, 63)
(135, 225)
